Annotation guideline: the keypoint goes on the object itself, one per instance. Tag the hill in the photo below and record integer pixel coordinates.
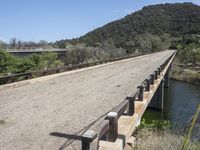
(153, 24)
(175, 19)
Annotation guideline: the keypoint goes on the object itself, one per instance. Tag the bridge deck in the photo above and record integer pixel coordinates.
(67, 102)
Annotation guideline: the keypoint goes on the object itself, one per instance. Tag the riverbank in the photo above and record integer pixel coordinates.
(148, 139)
(185, 74)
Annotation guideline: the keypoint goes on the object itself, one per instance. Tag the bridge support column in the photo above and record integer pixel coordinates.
(167, 78)
(158, 98)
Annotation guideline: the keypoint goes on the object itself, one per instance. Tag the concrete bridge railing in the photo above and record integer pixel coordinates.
(115, 131)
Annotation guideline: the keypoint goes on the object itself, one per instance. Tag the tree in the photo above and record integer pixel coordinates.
(143, 43)
(6, 62)
(49, 60)
(189, 54)
(13, 42)
(19, 44)
(11, 64)
(43, 43)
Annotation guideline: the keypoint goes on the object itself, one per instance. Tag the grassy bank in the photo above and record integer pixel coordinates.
(184, 74)
(186, 66)
(158, 136)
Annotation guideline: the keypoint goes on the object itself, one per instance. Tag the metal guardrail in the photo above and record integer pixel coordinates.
(108, 130)
(29, 75)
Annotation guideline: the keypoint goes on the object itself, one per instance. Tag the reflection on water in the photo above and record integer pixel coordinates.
(180, 104)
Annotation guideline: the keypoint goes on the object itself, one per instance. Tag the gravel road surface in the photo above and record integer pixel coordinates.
(67, 102)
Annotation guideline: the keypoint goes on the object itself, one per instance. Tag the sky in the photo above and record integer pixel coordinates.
(51, 20)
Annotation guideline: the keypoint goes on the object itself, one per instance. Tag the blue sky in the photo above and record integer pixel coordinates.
(60, 19)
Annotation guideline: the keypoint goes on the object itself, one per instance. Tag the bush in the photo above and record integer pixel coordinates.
(13, 65)
(48, 60)
(155, 124)
(189, 54)
(7, 62)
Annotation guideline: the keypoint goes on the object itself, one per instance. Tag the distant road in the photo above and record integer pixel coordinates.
(67, 102)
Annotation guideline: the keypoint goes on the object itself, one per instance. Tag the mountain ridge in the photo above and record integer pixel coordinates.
(161, 20)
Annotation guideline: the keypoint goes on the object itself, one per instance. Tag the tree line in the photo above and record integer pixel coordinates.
(14, 43)
(10, 64)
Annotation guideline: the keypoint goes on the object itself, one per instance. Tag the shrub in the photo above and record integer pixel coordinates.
(13, 65)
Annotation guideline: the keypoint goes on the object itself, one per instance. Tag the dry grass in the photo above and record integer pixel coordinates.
(185, 75)
(147, 139)
(151, 140)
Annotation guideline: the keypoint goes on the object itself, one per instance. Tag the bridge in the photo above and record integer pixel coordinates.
(27, 52)
(35, 50)
(91, 108)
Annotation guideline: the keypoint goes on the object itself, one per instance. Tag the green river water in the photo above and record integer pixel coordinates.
(180, 104)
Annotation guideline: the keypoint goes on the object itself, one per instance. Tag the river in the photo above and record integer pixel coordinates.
(180, 104)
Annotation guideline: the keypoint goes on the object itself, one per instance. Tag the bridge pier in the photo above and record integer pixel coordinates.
(166, 77)
(158, 98)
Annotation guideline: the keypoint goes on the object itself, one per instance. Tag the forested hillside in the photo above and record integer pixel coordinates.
(174, 19)
(149, 29)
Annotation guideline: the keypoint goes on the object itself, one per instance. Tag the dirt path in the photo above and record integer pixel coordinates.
(67, 102)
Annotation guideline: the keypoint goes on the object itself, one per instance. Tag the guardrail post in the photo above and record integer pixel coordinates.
(58, 70)
(131, 106)
(159, 70)
(141, 93)
(147, 87)
(152, 78)
(87, 138)
(9, 80)
(156, 74)
(29, 75)
(162, 67)
(113, 126)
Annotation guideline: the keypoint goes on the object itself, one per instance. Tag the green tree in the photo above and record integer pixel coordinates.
(11, 64)
(143, 43)
(189, 54)
(6, 62)
(22, 65)
(48, 60)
